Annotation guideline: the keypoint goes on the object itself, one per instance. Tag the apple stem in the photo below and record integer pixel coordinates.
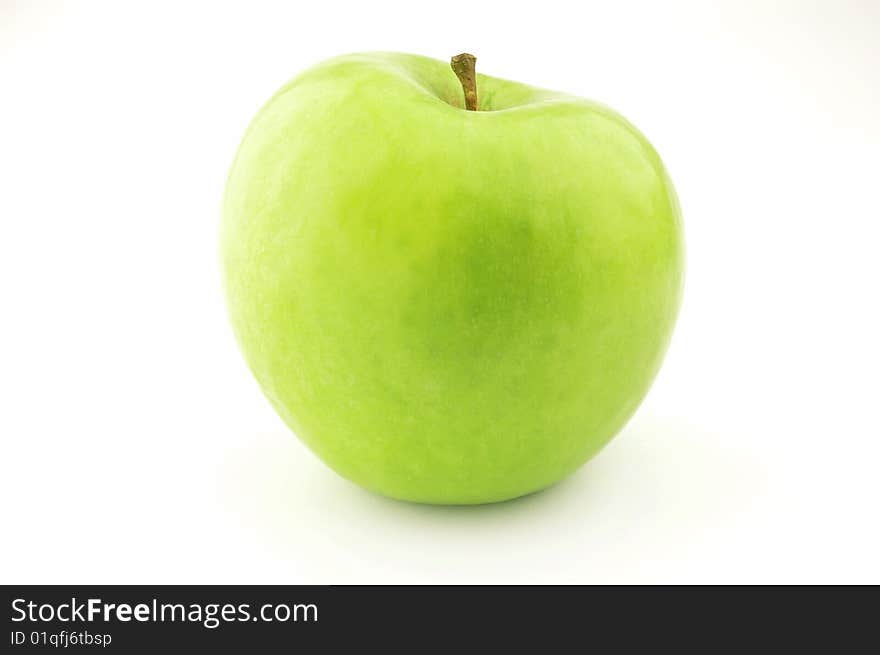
(465, 67)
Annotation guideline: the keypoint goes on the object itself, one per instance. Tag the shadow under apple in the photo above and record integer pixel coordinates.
(660, 488)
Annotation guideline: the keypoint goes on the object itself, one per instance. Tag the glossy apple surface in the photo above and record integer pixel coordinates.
(448, 306)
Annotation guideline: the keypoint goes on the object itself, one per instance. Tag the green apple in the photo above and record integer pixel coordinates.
(448, 305)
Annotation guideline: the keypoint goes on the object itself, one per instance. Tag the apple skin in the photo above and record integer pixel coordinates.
(448, 306)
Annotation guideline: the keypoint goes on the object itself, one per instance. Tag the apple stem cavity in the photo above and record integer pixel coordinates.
(465, 67)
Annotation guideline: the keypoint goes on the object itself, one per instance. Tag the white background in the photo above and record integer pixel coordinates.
(136, 448)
